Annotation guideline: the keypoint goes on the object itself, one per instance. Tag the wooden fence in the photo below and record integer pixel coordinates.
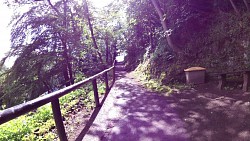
(16, 111)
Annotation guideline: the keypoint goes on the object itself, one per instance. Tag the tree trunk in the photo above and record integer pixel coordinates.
(70, 72)
(164, 25)
(114, 53)
(151, 38)
(65, 64)
(234, 6)
(68, 68)
(246, 4)
(54, 8)
(107, 49)
(91, 29)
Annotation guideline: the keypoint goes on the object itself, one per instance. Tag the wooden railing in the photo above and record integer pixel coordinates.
(16, 111)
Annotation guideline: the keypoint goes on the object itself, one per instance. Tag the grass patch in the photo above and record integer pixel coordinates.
(37, 125)
(30, 127)
(156, 85)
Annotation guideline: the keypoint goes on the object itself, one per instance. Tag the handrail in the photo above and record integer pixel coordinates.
(18, 110)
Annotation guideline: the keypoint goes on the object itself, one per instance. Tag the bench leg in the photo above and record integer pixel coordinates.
(222, 81)
(245, 81)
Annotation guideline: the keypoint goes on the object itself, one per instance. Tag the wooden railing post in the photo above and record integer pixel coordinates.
(97, 103)
(106, 82)
(53, 98)
(58, 120)
(222, 81)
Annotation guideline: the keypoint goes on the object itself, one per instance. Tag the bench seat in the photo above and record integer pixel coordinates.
(223, 78)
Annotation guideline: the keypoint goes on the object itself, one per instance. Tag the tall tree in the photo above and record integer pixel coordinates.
(67, 67)
(246, 3)
(234, 6)
(91, 29)
(41, 43)
(163, 19)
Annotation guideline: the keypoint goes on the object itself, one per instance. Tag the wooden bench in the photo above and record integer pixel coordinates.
(223, 79)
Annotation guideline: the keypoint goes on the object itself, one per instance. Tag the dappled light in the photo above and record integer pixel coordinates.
(132, 112)
(125, 70)
(137, 114)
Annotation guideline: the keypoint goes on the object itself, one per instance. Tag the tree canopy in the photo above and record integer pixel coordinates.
(57, 42)
(181, 33)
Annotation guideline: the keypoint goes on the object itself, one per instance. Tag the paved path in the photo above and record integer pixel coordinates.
(131, 113)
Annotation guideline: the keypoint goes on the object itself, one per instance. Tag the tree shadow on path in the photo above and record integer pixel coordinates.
(189, 115)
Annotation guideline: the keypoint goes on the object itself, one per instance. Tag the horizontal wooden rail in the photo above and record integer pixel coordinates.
(18, 110)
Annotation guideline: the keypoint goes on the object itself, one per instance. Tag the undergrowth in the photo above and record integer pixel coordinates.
(142, 73)
(38, 124)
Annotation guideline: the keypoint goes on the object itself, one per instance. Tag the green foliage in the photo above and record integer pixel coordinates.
(134, 57)
(2, 79)
(37, 125)
(53, 46)
(210, 34)
(230, 43)
(155, 84)
(33, 126)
